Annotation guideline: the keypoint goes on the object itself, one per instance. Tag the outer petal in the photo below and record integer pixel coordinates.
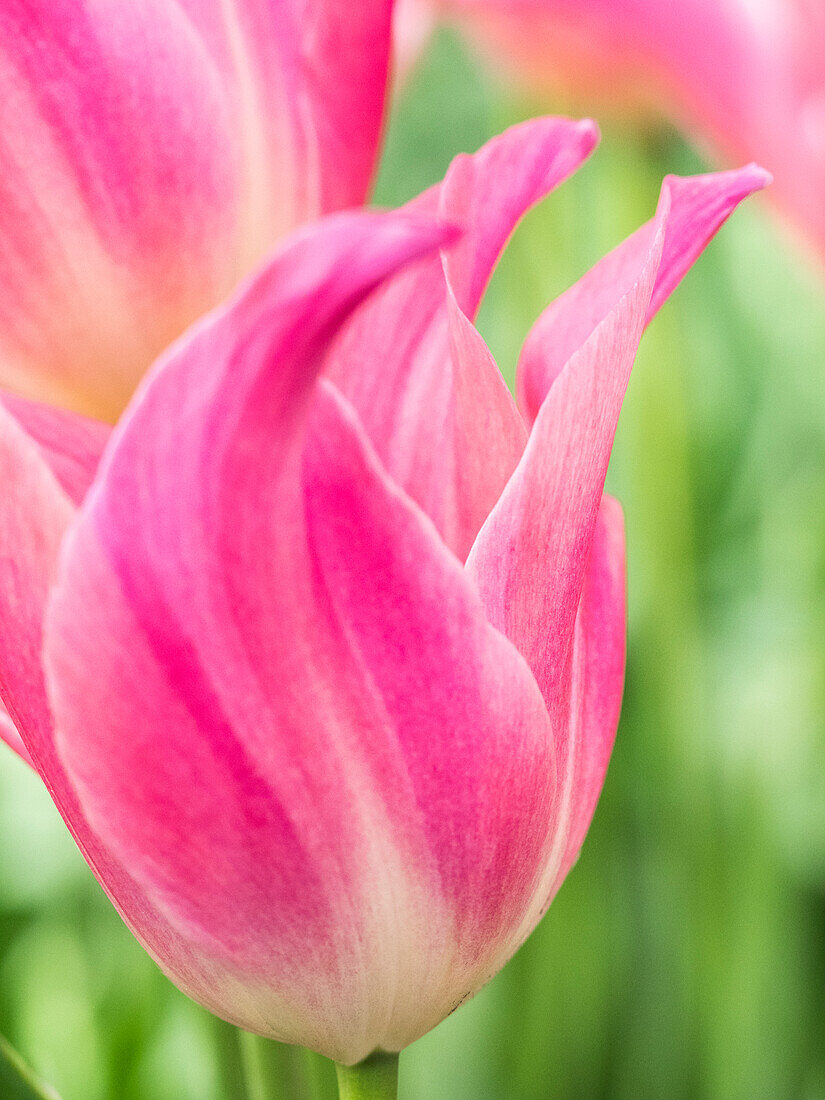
(70, 446)
(424, 383)
(297, 727)
(151, 154)
(700, 206)
(34, 515)
(589, 698)
(530, 557)
(547, 562)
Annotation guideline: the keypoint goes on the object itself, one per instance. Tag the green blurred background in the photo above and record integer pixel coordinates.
(685, 955)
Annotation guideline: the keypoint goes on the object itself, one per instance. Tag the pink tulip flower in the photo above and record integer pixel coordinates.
(745, 77)
(152, 153)
(322, 660)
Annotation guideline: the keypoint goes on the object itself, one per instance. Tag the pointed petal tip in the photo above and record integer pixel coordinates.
(741, 182)
(760, 176)
(590, 133)
(613, 516)
(584, 130)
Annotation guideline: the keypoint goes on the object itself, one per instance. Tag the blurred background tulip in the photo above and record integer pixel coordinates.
(744, 79)
(152, 154)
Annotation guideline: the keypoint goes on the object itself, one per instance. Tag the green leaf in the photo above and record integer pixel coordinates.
(17, 1080)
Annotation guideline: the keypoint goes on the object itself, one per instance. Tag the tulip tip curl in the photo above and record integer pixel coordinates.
(322, 662)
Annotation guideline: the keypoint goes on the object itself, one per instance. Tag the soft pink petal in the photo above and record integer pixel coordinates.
(530, 557)
(588, 705)
(9, 734)
(470, 793)
(413, 24)
(71, 445)
(700, 206)
(117, 193)
(599, 643)
(34, 515)
(424, 383)
(548, 572)
(151, 154)
(307, 80)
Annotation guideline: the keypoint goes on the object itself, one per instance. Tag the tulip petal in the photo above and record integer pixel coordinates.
(34, 516)
(117, 193)
(594, 694)
(700, 206)
(463, 718)
(601, 635)
(424, 383)
(152, 153)
(9, 734)
(530, 556)
(318, 713)
(71, 445)
(310, 80)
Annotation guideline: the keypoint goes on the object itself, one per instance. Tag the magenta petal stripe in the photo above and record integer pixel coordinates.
(424, 383)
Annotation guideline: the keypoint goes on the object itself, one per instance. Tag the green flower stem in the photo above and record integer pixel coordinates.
(376, 1078)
